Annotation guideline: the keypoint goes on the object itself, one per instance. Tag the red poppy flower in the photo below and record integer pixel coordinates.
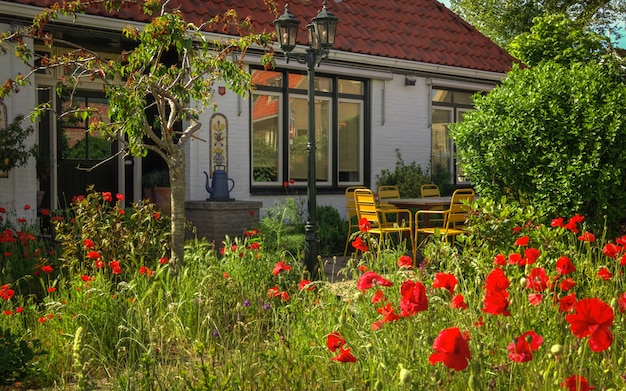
(388, 313)
(52, 289)
(537, 279)
(89, 243)
(611, 250)
(364, 225)
(45, 212)
(93, 255)
(530, 256)
(156, 215)
(523, 241)
(567, 284)
(564, 266)
(622, 260)
(378, 297)
(499, 260)
(163, 261)
(413, 298)
(335, 341)
(284, 296)
(26, 207)
(306, 284)
(567, 303)
(359, 244)
(496, 302)
(344, 356)
(405, 261)
(497, 280)
(577, 383)
(605, 274)
(535, 298)
(592, 318)
(587, 237)
(452, 349)
(368, 279)
(85, 278)
(558, 222)
(280, 267)
(445, 280)
(47, 269)
(107, 196)
(458, 301)
(515, 259)
(19, 310)
(3, 210)
(273, 291)
(21, 220)
(119, 197)
(115, 267)
(572, 223)
(6, 293)
(520, 350)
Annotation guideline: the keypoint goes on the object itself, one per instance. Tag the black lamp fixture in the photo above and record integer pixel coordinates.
(322, 31)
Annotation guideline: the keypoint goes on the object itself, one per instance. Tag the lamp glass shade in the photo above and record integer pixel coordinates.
(287, 30)
(325, 28)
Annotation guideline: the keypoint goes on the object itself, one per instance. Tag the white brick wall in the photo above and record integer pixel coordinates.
(21, 186)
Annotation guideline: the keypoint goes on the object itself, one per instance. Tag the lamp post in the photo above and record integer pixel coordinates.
(322, 30)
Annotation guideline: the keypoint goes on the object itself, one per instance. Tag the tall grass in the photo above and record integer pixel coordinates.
(233, 320)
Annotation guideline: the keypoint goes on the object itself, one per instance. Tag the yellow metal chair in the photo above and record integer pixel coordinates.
(353, 221)
(453, 218)
(366, 207)
(387, 192)
(430, 190)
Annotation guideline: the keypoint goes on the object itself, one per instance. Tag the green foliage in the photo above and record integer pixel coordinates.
(115, 233)
(553, 137)
(282, 227)
(409, 178)
(332, 230)
(503, 20)
(16, 354)
(555, 37)
(13, 151)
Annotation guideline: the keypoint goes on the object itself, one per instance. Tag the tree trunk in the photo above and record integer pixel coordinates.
(176, 166)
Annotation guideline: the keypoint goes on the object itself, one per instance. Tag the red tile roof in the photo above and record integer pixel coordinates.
(423, 31)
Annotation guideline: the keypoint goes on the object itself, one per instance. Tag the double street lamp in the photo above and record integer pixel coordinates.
(322, 30)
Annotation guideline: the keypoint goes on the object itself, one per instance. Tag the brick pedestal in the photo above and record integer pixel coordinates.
(215, 219)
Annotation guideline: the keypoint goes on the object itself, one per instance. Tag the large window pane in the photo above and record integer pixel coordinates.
(265, 138)
(441, 147)
(77, 142)
(349, 141)
(298, 138)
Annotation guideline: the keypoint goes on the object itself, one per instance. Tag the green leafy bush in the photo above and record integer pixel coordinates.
(332, 230)
(282, 228)
(554, 137)
(409, 178)
(16, 353)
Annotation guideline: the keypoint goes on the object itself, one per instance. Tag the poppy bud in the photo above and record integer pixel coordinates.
(556, 349)
(405, 376)
(359, 296)
(522, 282)
(614, 304)
(620, 362)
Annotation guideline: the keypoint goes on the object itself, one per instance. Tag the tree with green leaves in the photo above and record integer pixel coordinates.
(139, 81)
(503, 20)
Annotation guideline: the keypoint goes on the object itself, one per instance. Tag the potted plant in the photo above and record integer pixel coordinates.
(156, 187)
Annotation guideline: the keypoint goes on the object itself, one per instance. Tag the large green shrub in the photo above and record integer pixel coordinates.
(554, 137)
(332, 230)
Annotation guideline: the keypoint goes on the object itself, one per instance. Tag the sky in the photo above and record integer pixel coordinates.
(621, 43)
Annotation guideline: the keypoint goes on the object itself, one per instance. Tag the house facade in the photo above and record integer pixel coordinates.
(398, 75)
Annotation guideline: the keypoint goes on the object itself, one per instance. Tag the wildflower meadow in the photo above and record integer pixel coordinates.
(89, 300)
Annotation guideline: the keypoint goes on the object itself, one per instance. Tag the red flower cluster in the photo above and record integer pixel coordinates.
(520, 350)
(6, 293)
(334, 342)
(496, 300)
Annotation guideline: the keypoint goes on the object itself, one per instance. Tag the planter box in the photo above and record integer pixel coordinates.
(214, 220)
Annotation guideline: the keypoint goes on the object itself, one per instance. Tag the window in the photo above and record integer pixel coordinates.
(447, 107)
(279, 130)
(76, 141)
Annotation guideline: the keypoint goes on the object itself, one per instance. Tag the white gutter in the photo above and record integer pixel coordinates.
(104, 23)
